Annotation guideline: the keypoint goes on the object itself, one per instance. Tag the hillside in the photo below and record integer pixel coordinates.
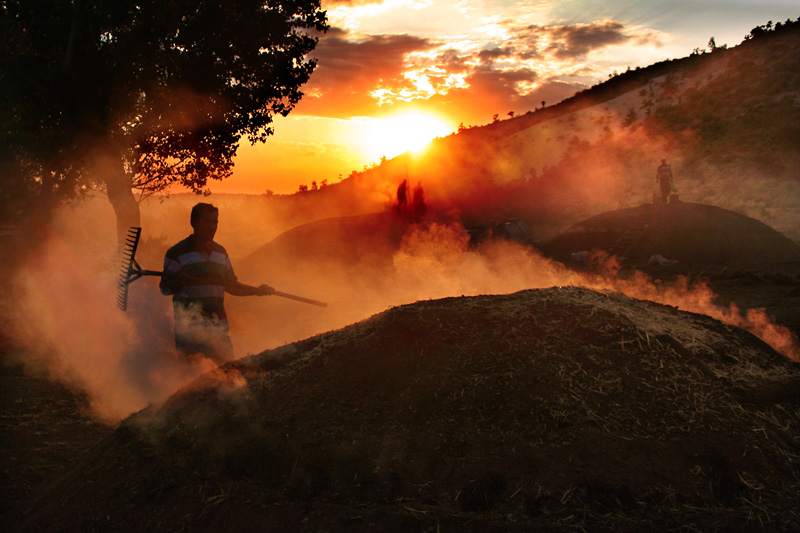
(726, 119)
(545, 409)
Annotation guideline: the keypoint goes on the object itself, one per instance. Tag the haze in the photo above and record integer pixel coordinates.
(462, 63)
(346, 247)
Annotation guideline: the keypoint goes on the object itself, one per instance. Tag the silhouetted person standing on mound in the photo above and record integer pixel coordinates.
(402, 198)
(664, 180)
(198, 273)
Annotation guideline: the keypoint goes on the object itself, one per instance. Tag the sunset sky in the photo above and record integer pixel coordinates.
(393, 74)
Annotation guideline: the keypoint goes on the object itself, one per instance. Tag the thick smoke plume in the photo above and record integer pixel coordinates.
(62, 314)
(63, 309)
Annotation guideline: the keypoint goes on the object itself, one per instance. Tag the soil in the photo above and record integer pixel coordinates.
(44, 429)
(548, 410)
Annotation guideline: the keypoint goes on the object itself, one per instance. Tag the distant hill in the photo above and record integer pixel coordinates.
(727, 119)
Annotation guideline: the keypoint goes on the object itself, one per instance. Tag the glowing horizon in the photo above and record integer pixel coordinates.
(464, 62)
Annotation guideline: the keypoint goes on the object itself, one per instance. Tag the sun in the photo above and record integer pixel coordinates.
(396, 134)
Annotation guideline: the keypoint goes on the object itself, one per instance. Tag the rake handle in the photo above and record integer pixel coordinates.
(140, 273)
(299, 298)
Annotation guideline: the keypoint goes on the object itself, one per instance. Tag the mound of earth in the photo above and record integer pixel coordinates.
(541, 410)
(352, 240)
(684, 232)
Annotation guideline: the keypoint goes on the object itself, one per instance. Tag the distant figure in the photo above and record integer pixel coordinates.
(664, 179)
(418, 206)
(402, 198)
(198, 273)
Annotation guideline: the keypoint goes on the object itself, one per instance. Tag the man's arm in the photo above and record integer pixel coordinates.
(170, 284)
(237, 288)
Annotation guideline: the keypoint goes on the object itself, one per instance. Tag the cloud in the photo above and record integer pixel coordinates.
(350, 67)
(487, 57)
(364, 75)
(328, 4)
(581, 39)
(568, 42)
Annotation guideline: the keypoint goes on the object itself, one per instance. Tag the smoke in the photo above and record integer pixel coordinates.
(60, 299)
(435, 260)
(61, 307)
(61, 310)
(696, 297)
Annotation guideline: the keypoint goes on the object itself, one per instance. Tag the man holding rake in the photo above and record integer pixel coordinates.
(198, 273)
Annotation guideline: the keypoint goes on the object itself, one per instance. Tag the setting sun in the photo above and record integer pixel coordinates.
(394, 135)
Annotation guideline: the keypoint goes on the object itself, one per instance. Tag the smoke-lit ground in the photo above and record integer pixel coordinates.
(63, 316)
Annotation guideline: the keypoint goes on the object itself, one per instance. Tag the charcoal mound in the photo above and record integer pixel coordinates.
(688, 233)
(545, 409)
(351, 240)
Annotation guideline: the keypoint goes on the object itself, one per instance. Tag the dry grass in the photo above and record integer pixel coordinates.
(554, 409)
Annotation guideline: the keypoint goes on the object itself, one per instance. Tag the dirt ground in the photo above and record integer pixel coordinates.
(44, 428)
(436, 462)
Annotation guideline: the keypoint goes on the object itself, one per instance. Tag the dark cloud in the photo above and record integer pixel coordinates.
(566, 42)
(349, 69)
(500, 80)
(494, 54)
(452, 61)
(342, 61)
(327, 4)
(578, 40)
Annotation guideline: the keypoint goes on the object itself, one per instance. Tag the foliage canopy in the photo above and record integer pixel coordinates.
(167, 87)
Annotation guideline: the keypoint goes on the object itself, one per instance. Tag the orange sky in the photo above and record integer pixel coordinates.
(457, 62)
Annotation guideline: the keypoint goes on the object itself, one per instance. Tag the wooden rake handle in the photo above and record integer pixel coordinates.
(299, 298)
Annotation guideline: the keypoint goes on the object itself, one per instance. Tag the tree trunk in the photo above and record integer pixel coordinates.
(120, 194)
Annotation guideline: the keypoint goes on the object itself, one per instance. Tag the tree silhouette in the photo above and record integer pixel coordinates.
(144, 94)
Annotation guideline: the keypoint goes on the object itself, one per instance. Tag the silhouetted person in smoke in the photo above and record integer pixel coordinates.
(198, 273)
(418, 207)
(402, 198)
(664, 179)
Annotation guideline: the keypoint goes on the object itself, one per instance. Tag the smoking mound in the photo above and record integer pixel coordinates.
(541, 409)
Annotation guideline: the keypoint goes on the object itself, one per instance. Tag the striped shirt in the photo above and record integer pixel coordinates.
(214, 269)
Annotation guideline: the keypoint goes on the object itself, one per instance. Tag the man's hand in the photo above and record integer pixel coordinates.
(265, 290)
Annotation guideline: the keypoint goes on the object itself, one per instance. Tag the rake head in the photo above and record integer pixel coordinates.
(131, 271)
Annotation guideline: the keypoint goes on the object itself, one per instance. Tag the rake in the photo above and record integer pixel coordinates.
(131, 271)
